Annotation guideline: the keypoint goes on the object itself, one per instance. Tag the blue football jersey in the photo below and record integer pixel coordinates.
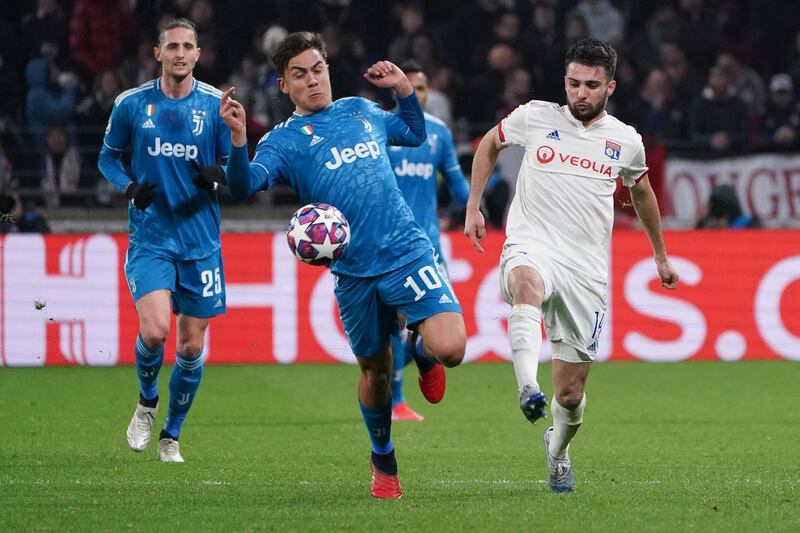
(164, 135)
(416, 169)
(338, 156)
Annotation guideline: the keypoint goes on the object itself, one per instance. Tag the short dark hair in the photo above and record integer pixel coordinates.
(593, 53)
(411, 66)
(177, 23)
(294, 44)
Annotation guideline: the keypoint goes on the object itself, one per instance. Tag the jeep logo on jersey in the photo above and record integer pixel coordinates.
(407, 168)
(186, 151)
(546, 154)
(349, 155)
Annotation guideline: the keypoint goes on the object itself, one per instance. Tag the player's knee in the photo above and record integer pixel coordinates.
(154, 334)
(570, 398)
(378, 380)
(190, 349)
(450, 352)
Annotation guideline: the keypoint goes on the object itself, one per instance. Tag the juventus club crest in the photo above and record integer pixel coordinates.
(198, 119)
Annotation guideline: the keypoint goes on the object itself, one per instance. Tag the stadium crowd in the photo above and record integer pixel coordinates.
(715, 77)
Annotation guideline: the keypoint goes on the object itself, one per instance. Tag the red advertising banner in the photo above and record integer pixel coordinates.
(64, 300)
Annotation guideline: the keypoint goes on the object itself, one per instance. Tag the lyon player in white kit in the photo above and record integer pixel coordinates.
(554, 263)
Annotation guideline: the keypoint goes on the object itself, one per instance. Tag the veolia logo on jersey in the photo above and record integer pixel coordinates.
(407, 168)
(349, 155)
(186, 151)
(545, 155)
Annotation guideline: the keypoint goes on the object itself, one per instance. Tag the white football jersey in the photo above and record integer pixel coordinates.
(564, 204)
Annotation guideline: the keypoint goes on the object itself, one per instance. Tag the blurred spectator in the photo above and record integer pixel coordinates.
(663, 26)
(92, 114)
(719, 118)
(47, 23)
(60, 169)
(543, 50)
(604, 21)
(469, 32)
(505, 30)
(696, 35)
(652, 112)
(687, 85)
(723, 211)
(748, 84)
(212, 38)
(7, 182)
(345, 53)
(412, 21)
(424, 51)
(780, 123)
(794, 60)
(575, 29)
(439, 87)
(100, 33)
(14, 218)
(52, 95)
(11, 103)
(485, 86)
(517, 91)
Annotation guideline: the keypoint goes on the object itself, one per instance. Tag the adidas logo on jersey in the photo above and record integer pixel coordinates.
(553, 135)
(445, 299)
(148, 124)
(315, 139)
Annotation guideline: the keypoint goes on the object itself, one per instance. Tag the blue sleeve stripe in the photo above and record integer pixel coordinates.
(143, 87)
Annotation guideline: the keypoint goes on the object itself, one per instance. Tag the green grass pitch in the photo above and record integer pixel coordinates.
(671, 447)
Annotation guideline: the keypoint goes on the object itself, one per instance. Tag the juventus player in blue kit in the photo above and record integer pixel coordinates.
(335, 152)
(173, 263)
(416, 170)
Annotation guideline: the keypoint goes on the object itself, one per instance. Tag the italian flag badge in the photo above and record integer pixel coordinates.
(149, 109)
(307, 130)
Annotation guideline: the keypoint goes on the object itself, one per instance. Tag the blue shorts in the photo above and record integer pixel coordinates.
(197, 286)
(368, 306)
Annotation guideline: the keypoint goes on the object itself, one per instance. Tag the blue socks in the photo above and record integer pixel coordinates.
(379, 426)
(183, 385)
(148, 363)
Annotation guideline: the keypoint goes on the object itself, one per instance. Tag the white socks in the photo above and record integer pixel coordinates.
(565, 425)
(525, 338)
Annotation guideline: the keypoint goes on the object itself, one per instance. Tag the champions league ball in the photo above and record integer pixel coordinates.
(318, 234)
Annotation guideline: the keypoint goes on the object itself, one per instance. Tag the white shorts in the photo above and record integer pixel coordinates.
(574, 305)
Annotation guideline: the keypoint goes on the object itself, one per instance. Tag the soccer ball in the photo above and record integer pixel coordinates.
(318, 234)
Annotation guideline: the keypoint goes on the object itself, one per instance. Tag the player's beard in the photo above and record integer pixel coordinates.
(591, 112)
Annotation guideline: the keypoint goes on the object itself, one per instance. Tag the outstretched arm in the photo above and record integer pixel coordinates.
(646, 206)
(483, 164)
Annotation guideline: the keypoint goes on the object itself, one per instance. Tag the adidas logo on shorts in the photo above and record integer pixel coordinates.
(445, 299)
